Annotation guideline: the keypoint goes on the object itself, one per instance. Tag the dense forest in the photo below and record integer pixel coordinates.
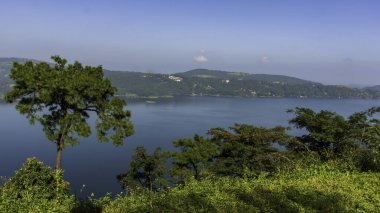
(203, 82)
(333, 166)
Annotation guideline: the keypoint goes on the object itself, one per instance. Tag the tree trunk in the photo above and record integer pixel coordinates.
(59, 155)
(196, 170)
(60, 142)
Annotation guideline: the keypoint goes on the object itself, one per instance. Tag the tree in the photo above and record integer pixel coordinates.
(334, 137)
(247, 147)
(62, 97)
(193, 156)
(326, 132)
(145, 170)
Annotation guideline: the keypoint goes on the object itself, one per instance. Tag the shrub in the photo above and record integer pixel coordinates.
(35, 188)
(320, 188)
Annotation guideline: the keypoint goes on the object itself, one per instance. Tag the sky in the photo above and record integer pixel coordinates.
(333, 42)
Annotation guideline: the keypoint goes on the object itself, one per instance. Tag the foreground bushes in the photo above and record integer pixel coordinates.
(316, 189)
(323, 188)
(36, 188)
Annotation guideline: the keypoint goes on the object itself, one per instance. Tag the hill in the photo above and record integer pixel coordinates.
(217, 74)
(374, 90)
(203, 82)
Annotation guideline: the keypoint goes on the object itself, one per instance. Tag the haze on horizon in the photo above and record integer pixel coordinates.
(333, 42)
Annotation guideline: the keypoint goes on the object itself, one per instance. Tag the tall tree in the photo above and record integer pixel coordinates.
(62, 97)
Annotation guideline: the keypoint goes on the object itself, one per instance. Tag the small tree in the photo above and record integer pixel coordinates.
(247, 147)
(193, 156)
(334, 137)
(326, 132)
(61, 98)
(145, 170)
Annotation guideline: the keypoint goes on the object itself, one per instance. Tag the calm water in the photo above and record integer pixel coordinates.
(96, 164)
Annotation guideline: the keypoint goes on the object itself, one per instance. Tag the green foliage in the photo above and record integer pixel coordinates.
(193, 156)
(366, 130)
(374, 91)
(35, 188)
(61, 98)
(247, 148)
(145, 170)
(326, 131)
(316, 189)
(355, 139)
(246, 85)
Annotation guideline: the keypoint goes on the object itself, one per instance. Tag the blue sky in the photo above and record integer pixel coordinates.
(335, 42)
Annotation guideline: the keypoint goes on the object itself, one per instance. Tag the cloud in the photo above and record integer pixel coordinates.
(265, 60)
(201, 58)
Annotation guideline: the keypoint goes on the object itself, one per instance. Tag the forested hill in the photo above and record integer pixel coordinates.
(204, 73)
(203, 82)
(374, 90)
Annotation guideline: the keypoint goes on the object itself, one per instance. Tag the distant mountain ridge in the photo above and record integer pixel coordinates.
(205, 73)
(204, 82)
(374, 90)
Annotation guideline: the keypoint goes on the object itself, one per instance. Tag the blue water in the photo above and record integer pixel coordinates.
(95, 165)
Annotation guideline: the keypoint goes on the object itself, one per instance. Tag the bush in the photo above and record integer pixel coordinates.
(322, 188)
(35, 188)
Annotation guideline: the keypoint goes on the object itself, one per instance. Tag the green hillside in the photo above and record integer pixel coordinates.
(217, 74)
(374, 90)
(203, 82)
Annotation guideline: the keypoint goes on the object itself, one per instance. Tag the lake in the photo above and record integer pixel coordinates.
(96, 165)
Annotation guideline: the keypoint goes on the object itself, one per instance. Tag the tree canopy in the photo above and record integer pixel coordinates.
(247, 147)
(333, 136)
(193, 156)
(145, 170)
(61, 97)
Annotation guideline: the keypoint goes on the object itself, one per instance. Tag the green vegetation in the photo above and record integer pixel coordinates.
(317, 189)
(194, 156)
(203, 82)
(218, 83)
(60, 98)
(145, 170)
(332, 136)
(374, 90)
(36, 188)
(333, 167)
